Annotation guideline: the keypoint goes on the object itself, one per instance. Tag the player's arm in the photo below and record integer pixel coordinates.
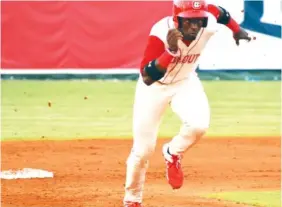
(224, 17)
(157, 57)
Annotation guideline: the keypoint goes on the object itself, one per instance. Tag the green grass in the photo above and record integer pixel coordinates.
(258, 199)
(238, 109)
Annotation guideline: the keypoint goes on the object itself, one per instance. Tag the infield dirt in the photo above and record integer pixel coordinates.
(92, 172)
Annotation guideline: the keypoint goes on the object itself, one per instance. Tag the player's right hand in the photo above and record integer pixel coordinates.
(173, 36)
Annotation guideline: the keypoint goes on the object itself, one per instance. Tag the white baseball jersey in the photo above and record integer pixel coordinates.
(187, 62)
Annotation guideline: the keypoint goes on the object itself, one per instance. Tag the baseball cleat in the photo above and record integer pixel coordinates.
(174, 173)
(132, 204)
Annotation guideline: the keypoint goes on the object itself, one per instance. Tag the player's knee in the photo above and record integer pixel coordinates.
(193, 129)
(144, 152)
(144, 143)
(147, 151)
(200, 131)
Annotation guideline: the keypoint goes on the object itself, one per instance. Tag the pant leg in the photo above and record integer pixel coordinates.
(149, 106)
(190, 103)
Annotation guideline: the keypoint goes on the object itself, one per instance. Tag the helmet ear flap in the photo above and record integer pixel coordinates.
(205, 23)
(175, 20)
(179, 22)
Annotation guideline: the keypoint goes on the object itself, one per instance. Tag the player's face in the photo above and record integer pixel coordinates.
(191, 28)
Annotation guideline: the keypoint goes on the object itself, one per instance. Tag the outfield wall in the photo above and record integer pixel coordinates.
(215, 75)
(102, 37)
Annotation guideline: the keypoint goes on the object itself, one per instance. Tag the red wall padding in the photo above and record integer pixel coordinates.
(67, 34)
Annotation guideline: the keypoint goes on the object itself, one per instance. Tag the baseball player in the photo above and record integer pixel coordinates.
(168, 77)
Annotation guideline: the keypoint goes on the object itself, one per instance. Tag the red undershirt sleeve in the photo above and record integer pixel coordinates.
(232, 25)
(154, 49)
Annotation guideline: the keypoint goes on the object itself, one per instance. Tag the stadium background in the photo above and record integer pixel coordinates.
(98, 35)
(68, 73)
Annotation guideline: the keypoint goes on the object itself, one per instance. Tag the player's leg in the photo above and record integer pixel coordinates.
(190, 103)
(150, 103)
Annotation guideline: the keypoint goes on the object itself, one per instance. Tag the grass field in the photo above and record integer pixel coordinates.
(103, 109)
(268, 199)
(89, 109)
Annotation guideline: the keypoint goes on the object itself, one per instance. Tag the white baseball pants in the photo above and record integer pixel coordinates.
(188, 100)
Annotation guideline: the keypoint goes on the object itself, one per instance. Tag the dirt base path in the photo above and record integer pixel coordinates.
(92, 173)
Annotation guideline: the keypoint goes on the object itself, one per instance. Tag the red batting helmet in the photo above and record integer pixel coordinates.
(189, 9)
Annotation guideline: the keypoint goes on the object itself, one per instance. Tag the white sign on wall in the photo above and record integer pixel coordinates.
(262, 20)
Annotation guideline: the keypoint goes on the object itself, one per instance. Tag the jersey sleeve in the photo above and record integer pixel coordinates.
(160, 30)
(212, 26)
(156, 43)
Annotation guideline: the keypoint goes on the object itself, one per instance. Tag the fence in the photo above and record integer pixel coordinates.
(109, 37)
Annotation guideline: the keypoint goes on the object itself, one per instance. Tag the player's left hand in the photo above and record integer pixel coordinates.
(241, 35)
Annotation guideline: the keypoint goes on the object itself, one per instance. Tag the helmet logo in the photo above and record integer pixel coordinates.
(196, 5)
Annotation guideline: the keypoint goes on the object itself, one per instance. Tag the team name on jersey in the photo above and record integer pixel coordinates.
(189, 59)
